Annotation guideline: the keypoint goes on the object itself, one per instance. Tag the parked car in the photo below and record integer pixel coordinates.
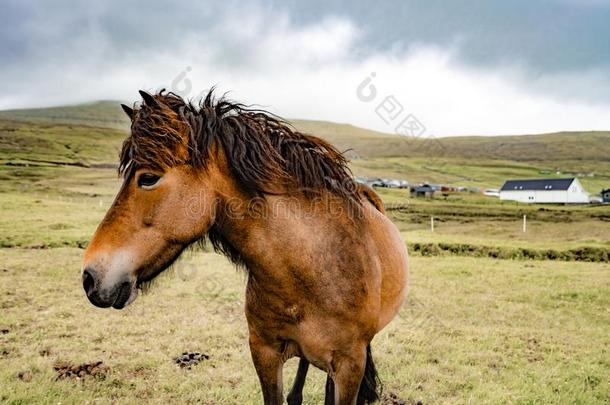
(392, 183)
(376, 183)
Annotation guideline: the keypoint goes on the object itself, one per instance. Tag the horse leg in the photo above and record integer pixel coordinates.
(268, 364)
(349, 371)
(329, 398)
(295, 397)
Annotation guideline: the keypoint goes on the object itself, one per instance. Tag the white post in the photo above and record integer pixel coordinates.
(524, 223)
(432, 224)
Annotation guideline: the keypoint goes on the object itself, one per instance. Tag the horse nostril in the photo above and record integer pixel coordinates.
(88, 281)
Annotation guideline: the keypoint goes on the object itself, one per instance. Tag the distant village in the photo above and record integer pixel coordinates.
(535, 191)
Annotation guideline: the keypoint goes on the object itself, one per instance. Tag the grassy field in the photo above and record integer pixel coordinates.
(473, 330)
(481, 173)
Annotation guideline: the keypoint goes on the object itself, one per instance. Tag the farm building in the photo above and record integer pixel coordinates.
(606, 195)
(558, 191)
(422, 191)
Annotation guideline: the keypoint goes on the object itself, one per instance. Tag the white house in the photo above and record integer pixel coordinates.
(558, 191)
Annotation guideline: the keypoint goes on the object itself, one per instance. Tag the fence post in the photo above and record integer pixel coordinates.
(432, 224)
(524, 223)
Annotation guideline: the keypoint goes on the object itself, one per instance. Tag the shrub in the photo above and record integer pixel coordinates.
(584, 254)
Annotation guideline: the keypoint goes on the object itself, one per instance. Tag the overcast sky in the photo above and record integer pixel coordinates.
(457, 67)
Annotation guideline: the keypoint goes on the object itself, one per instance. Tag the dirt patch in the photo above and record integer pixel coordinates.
(189, 359)
(25, 376)
(45, 352)
(66, 370)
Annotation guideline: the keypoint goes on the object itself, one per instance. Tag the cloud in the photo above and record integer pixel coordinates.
(294, 68)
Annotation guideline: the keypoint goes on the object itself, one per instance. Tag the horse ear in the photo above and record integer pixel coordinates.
(148, 99)
(128, 111)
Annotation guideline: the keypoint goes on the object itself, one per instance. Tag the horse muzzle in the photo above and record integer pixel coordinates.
(117, 295)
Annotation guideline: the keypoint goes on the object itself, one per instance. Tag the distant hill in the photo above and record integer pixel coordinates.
(364, 143)
(105, 114)
(43, 143)
(593, 145)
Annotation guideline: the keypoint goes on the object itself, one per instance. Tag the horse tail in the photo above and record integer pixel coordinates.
(370, 387)
(371, 196)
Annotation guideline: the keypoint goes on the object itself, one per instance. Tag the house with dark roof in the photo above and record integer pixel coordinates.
(425, 190)
(545, 191)
(606, 195)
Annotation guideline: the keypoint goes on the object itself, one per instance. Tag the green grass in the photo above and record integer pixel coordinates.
(472, 331)
(59, 144)
(539, 235)
(53, 206)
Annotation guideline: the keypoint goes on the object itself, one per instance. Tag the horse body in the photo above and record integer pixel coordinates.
(327, 298)
(326, 269)
(326, 301)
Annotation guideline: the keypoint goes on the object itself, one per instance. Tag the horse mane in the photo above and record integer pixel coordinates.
(264, 152)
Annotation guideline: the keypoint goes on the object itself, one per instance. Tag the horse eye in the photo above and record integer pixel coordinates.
(148, 180)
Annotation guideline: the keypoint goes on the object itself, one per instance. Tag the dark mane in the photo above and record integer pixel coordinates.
(264, 152)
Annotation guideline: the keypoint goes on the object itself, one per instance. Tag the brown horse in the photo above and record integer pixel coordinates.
(326, 268)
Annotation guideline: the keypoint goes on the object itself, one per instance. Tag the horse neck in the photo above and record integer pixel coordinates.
(233, 224)
(249, 225)
(262, 228)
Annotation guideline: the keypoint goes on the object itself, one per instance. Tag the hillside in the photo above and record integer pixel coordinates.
(38, 143)
(575, 146)
(593, 145)
(91, 134)
(106, 114)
